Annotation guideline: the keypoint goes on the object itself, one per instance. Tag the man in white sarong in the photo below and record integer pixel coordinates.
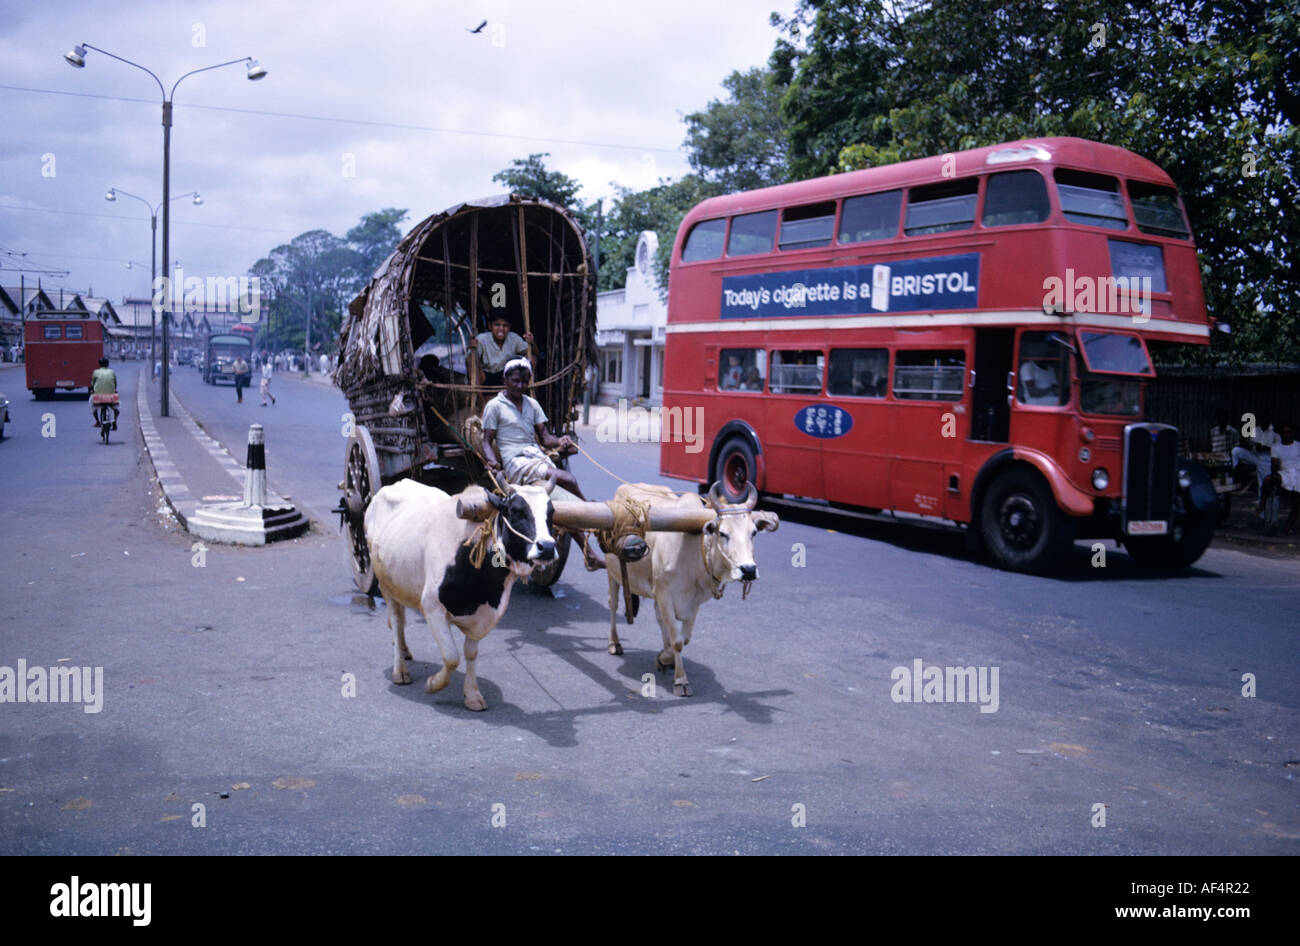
(513, 426)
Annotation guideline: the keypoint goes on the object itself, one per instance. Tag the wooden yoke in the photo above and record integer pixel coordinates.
(580, 516)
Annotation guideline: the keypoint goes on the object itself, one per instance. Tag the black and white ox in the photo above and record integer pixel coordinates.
(418, 547)
(682, 570)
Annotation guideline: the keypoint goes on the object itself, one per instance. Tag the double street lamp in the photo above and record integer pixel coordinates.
(153, 266)
(77, 57)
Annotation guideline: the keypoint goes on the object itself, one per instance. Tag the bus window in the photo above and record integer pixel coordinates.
(1043, 376)
(808, 226)
(1015, 197)
(1157, 211)
(936, 208)
(704, 241)
(752, 233)
(797, 372)
(53, 332)
(870, 217)
(743, 369)
(859, 372)
(1099, 395)
(72, 331)
(1092, 199)
(929, 375)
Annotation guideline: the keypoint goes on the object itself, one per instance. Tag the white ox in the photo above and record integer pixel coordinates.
(682, 570)
(417, 545)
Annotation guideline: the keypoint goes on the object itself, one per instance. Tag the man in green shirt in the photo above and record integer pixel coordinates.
(103, 380)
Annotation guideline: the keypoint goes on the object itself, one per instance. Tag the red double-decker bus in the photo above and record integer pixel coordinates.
(962, 339)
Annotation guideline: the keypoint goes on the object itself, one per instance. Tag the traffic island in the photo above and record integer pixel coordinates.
(261, 517)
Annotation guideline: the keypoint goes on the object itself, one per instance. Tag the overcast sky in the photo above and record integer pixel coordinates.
(601, 86)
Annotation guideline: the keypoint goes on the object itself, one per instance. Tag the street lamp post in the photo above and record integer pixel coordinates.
(153, 264)
(77, 57)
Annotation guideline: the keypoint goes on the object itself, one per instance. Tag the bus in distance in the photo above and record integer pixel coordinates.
(963, 339)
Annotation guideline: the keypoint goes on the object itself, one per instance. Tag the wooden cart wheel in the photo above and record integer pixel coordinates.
(361, 481)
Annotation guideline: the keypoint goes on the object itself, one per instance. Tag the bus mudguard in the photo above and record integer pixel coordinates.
(1071, 499)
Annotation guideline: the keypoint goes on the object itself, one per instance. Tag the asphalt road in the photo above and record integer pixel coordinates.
(227, 668)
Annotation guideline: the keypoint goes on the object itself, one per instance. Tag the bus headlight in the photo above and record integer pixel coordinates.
(1100, 478)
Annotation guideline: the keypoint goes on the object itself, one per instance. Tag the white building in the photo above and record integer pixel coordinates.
(630, 332)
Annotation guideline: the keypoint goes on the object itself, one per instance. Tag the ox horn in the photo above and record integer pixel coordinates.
(715, 497)
(751, 497)
(550, 481)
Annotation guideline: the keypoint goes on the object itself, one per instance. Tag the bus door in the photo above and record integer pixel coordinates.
(928, 425)
(1042, 388)
(990, 399)
(797, 421)
(856, 458)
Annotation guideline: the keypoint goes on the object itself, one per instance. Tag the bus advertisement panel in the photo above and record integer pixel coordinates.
(961, 339)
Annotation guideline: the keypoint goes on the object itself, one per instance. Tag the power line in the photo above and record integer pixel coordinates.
(187, 223)
(357, 121)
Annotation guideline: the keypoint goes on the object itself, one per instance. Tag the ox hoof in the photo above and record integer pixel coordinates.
(682, 689)
(401, 677)
(433, 684)
(616, 649)
(664, 667)
(475, 703)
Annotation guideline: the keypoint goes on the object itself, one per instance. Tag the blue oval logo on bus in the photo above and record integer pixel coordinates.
(824, 421)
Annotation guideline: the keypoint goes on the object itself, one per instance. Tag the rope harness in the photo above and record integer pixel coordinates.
(719, 584)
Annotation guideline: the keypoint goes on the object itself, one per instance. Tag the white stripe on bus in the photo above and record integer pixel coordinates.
(924, 320)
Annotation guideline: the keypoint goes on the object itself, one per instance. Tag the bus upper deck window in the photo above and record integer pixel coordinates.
(704, 241)
(807, 226)
(1157, 211)
(936, 208)
(870, 217)
(1015, 197)
(53, 332)
(72, 332)
(752, 233)
(1092, 199)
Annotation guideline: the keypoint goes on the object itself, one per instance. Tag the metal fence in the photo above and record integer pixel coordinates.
(1195, 400)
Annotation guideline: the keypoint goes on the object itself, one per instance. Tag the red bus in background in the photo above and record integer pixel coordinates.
(61, 350)
(961, 339)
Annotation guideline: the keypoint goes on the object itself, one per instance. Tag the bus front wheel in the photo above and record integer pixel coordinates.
(735, 468)
(1023, 528)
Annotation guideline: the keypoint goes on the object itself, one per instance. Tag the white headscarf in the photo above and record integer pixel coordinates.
(514, 363)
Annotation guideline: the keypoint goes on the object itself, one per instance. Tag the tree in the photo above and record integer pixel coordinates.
(376, 236)
(659, 208)
(740, 143)
(1205, 90)
(529, 176)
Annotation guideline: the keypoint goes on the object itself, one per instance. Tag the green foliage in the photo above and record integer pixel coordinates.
(529, 177)
(376, 236)
(1208, 91)
(659, 208)
(740, 143)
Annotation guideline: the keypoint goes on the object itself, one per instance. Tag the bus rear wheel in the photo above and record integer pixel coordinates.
(1023, 528)
(735, 468)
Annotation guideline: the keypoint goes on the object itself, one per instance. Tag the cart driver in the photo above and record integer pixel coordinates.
(513, 426)
(103, 381)
(499, 346)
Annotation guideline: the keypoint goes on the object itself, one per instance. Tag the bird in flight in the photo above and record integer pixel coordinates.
(477, 29)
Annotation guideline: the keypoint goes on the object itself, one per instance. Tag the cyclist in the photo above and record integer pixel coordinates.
(103, 381)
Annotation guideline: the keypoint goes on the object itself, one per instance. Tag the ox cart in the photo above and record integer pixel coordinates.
(414, 384)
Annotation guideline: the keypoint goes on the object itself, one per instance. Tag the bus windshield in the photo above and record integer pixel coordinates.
(1113, 353)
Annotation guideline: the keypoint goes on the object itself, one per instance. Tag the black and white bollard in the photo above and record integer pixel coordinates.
(255, 468)
(262, 517)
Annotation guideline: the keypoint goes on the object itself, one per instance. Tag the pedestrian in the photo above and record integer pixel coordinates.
(242, 375)
(266, 382)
